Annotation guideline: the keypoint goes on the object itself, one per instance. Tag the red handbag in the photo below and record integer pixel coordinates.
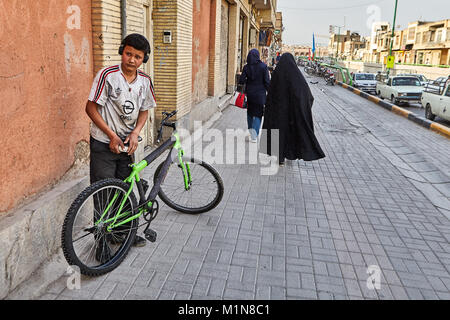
(239, 100)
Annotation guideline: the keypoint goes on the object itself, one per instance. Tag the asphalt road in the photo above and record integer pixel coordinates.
(413, 107)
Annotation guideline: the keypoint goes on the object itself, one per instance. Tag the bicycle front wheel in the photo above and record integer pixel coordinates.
(199, 191)
(88, 241)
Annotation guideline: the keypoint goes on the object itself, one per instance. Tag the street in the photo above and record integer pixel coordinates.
(418, 109)
(370, 221)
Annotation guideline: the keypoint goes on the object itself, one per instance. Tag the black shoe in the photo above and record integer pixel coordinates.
(281, 164)
(139, 242)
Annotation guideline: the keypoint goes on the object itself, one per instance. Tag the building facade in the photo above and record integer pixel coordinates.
(421, 43)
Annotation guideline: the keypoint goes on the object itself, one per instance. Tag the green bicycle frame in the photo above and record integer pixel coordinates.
(174, 144)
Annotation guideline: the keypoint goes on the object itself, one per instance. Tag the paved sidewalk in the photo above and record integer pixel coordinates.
(312, 230)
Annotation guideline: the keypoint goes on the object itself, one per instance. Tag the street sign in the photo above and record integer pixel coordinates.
(390, 62)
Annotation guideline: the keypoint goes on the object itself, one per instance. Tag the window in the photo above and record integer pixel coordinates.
(419, 38)
(439, 36)
(364, 76)
(420, 58)
(432, 36)
(448, 92)
(404, 39)
(448, 34)
(411, 33)
(406, 82)
(424, 37)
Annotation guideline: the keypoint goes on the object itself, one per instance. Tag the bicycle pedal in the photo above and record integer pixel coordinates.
(150, 235)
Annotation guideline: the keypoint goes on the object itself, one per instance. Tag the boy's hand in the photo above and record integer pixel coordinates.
(133, 142)
(114, 144)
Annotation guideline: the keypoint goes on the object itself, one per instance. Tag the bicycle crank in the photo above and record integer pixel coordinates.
(150, 234)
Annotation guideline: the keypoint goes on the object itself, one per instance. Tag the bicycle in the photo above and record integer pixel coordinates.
(101, 224)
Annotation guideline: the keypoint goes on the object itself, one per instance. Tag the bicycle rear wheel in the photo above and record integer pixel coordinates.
(204, 191)
(86, 240)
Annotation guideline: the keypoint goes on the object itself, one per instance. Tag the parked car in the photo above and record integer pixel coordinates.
(365, 82)
(436, 103)
(400, 89)
(423, 80)
(437, 84)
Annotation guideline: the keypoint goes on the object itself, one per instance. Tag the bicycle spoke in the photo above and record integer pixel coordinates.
(201, 192)
(91, 242)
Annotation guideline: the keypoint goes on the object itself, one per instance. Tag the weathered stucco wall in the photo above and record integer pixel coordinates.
(45, 77)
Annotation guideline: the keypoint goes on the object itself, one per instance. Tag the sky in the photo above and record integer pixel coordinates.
(303, 18)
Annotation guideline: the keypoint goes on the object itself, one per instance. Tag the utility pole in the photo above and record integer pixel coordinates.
(337, 46)
(339, 35)
(392, 36)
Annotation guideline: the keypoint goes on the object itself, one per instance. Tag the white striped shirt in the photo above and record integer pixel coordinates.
(120, 102)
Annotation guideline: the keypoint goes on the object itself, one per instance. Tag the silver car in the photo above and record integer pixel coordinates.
(365, 82)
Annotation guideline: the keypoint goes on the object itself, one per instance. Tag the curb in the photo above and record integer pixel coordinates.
(428, 124)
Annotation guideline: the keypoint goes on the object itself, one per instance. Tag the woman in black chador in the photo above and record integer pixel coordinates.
(288, 108)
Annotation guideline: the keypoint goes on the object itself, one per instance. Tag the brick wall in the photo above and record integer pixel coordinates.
(184, 59)
(106, 28)
(173, 61)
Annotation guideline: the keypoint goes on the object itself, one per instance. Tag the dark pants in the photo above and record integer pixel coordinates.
(105, 164)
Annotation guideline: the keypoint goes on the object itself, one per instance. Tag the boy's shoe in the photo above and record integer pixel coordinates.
(139, 242)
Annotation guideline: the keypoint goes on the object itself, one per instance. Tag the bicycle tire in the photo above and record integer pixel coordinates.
(86, 214)
(179, 181)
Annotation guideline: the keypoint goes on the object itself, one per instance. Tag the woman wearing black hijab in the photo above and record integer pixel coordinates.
(255, 76)
(288, 109)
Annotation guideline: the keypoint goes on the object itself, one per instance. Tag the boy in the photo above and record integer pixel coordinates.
(118, 106)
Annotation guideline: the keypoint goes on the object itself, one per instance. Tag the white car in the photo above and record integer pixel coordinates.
(400, 89)
(365, 82)
(437, 103)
